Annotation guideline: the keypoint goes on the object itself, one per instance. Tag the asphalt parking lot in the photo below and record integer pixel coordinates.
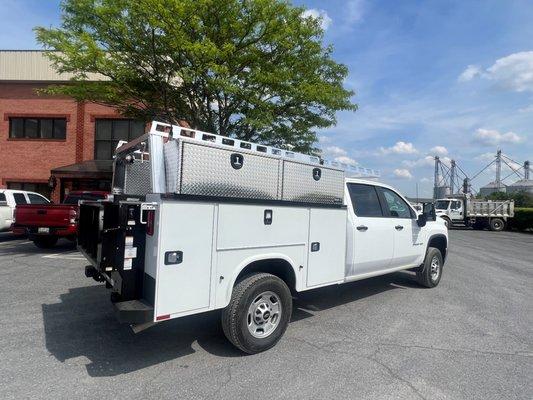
(470, 338)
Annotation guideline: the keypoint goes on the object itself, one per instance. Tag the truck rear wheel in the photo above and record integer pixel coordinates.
(496, 224)
(429, 274)
(258, 313)
(45, 242)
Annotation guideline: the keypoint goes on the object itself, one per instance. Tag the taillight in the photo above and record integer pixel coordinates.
(73, 215)
(150, 217)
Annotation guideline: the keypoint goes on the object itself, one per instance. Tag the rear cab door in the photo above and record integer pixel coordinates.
(408, 236)
(369, 234)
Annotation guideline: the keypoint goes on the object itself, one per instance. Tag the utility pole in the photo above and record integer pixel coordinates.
(498, 169)
(452, 177)
(526, 170)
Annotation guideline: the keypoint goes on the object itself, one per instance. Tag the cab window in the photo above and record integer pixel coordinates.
(365, 200)
(397, 207)
(36, 199)
(19, 198)
(455, 205)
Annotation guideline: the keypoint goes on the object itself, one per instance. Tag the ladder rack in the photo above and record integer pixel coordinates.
(168, 130)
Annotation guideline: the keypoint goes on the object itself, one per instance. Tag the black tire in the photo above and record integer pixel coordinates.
(45, 242)
(235, 317)
(447, 222)
(425, 275)
(497, 224)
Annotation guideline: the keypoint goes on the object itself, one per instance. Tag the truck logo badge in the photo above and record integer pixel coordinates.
(237, 160)
(317, 174)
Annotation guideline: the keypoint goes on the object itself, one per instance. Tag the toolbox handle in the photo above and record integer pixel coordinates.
(146, 207)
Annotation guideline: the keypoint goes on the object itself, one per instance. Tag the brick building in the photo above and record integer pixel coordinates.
(52, 144)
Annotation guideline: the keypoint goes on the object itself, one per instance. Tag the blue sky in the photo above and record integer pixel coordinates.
(452, 78)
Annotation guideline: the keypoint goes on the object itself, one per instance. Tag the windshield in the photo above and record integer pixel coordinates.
(75, 198)
(442, 204)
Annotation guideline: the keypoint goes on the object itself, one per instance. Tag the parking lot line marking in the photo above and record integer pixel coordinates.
(14, 242)
(64, 256)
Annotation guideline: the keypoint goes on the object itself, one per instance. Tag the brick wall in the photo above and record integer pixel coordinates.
(30, 160)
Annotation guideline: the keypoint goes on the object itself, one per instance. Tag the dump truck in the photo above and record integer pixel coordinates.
(475, 213)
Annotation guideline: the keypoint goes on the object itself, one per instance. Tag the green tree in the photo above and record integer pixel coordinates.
(253, 69)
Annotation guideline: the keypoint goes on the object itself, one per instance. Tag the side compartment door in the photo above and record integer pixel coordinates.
(372, 233)
(408, 236)
(327, 246)
(184, 257)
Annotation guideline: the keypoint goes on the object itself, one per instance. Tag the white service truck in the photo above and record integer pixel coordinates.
(201, 222)
(475, 213)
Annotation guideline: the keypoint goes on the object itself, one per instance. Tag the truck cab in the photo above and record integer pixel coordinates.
(452, 208)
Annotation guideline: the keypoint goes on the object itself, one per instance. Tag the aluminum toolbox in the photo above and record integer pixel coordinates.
(202, 168)
(312, 183)
(199, 168)
(172, 159)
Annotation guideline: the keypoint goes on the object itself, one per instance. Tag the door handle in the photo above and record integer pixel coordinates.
(398, 227)
(362, 228)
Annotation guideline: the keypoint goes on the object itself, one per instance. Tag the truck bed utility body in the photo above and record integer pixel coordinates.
(201, 222)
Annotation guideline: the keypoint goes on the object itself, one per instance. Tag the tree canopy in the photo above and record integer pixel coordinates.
(253, 69)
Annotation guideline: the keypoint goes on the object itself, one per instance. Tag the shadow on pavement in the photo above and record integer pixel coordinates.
(83, 324)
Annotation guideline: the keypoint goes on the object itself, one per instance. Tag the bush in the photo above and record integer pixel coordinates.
(523, 219)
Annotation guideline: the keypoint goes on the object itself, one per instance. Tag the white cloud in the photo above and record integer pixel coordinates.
(402, 173)
(324, 139)
(491, 137)
(334, 151)
(439, 150)
(527, 109)
(421, 162)
(325, 20)
(426, 180)
(426, 161)
(355, 11)
(513, 72)
(338, 154)
(346, 160)
(486, 157)
(400, 148)
(471, 72)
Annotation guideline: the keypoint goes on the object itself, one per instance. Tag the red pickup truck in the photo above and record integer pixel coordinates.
(46, 223)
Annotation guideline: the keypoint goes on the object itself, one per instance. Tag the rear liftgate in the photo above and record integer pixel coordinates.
(112, 235)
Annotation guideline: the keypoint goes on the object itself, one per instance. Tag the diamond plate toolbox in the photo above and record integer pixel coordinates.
(214, 171)
(312, 183)
(137, 178)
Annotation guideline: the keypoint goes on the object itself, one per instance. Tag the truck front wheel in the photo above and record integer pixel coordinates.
(430, 272)
(258, 313)
(45, 242)
(496, 224)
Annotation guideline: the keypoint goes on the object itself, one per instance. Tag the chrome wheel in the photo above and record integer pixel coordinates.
(264, 314)
(434, 268)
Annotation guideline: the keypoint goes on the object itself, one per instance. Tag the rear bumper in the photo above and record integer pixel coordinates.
(32, 231)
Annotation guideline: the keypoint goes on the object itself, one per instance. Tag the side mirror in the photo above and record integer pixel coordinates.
(421, 220)
(428, 214)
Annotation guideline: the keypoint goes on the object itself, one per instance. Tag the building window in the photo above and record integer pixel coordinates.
(108, 132)
(37, 187)
(37, 128)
